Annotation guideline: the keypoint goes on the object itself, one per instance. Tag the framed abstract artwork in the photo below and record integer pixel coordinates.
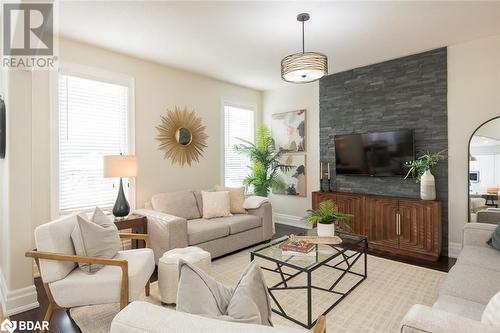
(294, 182)
(289, 130)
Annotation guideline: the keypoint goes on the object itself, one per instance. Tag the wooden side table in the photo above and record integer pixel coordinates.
(138, 224)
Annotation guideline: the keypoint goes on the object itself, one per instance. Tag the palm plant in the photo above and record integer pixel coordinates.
(328, 213)
(265, 161)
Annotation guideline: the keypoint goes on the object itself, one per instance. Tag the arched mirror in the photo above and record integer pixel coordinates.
(484, 173)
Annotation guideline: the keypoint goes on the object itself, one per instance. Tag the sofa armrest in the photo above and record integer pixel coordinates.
(265, 212)
(421, 318)
(165, 231)
(477, 234)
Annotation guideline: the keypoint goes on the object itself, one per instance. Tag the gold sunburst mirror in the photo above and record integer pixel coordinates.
(182, 136)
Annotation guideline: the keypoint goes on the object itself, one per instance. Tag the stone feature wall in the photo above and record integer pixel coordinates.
(404, 93)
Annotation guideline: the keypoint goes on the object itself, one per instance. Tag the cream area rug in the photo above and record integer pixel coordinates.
(377, 305)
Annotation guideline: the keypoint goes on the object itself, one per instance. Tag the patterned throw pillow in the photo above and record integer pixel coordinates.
(248, 302)
(491, 314)
(216, 204)
(95, 237)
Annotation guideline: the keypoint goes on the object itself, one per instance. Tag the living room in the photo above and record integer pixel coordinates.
(156, 113)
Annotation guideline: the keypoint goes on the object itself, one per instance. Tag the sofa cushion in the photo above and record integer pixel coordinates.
(79, 288)
(182, 204)
(201, 230)
(460, 306)
(473, 283)
(481, 256)
(216, 204)
(240, 222)
(95, 237)
(236, 198)
(55, 237)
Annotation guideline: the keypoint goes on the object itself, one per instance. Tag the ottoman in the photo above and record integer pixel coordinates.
(168, 269)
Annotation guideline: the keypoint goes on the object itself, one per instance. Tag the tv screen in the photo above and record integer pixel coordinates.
(374, 154)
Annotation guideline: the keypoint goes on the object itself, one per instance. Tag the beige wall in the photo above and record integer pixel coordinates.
(473, 98)
(157, 88)
(295, 97)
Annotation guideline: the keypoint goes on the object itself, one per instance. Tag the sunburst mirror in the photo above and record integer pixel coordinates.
(182, 136)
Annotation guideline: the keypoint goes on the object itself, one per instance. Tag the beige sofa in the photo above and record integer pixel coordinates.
(175, 220)
(467, 289)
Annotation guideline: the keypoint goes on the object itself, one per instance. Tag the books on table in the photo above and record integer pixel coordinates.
(298, 248)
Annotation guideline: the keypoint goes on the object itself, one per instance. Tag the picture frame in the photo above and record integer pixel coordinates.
(289, 130)
(295, 180)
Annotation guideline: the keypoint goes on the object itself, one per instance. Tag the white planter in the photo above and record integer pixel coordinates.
(427, 186)
(326, 229)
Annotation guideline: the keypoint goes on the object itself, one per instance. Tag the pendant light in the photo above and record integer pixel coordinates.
(304, 66)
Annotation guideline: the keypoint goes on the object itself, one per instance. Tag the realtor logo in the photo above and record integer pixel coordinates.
(8, 326)
(28, 40)
(28, 29)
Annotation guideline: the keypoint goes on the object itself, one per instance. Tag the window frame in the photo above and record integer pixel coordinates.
(96, 74)
(236, 104)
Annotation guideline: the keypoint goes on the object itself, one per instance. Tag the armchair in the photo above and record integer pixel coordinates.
(122, 278)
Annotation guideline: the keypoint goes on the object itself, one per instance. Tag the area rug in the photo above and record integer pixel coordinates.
(377, 305)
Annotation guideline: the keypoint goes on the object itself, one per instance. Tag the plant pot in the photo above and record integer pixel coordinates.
(325, 229)
(427, 186)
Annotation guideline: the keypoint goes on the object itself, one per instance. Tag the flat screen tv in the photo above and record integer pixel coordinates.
(381, 154)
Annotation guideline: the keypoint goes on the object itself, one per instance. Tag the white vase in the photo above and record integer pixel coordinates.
(326, 229)
(427, 186)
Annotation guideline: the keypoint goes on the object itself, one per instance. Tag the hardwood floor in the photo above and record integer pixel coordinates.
(62, 323)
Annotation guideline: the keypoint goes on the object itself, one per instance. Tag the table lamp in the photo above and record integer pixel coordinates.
(120, 166)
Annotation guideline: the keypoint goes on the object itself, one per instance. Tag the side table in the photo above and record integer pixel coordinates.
(138, 224)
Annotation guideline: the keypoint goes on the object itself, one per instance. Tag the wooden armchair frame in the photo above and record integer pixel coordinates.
(123, 264)
(320, 326)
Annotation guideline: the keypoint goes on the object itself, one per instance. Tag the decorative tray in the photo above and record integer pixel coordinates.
(331, 240)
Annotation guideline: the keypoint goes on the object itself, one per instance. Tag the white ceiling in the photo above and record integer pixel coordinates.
(243, 42)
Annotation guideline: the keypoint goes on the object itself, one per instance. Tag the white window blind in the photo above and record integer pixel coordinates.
(93, 122)
(238, 123)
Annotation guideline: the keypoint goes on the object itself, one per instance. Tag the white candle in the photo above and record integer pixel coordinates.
(328, 170)
(321, 170)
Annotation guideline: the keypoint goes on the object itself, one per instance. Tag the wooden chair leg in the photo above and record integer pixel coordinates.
(48, 314)
(147, 288)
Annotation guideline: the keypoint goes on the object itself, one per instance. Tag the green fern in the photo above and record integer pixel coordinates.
(423, 163)
(265, 160)
(328, 213)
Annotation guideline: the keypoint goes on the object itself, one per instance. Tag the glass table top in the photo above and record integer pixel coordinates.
(324, 252)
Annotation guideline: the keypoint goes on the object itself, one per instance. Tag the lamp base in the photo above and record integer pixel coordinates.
(121, 207)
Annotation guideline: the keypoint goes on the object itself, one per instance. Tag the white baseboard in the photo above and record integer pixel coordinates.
(18, 300)
(454, 249)
(291, 220)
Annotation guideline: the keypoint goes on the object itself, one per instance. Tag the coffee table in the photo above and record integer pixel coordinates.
(345, 255)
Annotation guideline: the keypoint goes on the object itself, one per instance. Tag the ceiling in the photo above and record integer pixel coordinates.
(482, 141)
(244, 42)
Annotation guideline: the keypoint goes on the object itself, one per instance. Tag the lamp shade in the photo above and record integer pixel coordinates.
(118, 166)
(304, 67)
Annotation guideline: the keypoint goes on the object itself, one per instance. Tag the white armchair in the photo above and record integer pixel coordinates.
(122, 278)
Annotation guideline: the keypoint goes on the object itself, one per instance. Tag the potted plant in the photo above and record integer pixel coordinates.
(265, 162)
(326, 216)
(421, 170)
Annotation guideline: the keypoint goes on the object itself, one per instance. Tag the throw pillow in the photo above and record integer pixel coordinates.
(182, 204)
(216, 204)
(95, 237)
(495, 238)
(236, 198)
(491, 314)
(198, 293)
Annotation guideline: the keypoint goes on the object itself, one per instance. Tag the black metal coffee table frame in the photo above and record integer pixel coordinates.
(360, 249)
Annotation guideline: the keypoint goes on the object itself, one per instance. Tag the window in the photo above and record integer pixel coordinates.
(93, 121)
(238, 123)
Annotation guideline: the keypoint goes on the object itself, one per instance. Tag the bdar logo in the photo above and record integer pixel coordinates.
(8, 326)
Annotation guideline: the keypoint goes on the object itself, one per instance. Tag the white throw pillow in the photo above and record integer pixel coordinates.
(491, 314)
(95, 237)
(236, 198)
(198, 293)
(216, 204)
